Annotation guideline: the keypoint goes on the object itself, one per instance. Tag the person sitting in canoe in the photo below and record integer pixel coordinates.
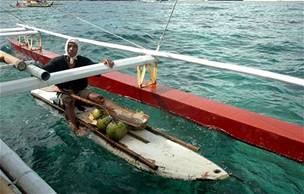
(70, 60)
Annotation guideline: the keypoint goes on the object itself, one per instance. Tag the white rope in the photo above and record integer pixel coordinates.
(163, 34)
(100, 28)
(205, 62)
(85, 21)
(18, 18)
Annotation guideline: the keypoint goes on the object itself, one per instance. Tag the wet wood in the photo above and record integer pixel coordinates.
(138, 137)
(117, 145)
(118, 113)
(158, 132)
(129, 117)
(9, 59)
(121, 146)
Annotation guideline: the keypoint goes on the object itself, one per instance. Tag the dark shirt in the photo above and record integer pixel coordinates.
(60, 64)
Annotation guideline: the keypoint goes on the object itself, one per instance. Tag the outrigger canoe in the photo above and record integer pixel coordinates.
(148, 149)
(280, 137)
(34, 4)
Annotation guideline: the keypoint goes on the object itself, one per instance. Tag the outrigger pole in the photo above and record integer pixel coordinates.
(27, 84)
(21, 65)
(16, 32)
(205, 62)
(12, 29)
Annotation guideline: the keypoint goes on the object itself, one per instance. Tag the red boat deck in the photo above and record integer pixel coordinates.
(265, 132)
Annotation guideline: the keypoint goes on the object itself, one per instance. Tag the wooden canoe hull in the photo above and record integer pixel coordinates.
(146, 149)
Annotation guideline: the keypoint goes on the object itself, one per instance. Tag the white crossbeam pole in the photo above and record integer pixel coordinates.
(205, 62)
(11, 29)
(18, 33)
(27, 84)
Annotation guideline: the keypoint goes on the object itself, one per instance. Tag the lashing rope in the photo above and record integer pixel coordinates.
(141, 72)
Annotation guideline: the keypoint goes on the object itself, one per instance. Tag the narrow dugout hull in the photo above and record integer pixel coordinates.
(148, 149)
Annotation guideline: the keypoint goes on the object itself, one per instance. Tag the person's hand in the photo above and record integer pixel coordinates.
(66, 91)
(108, 62)
(1, 58)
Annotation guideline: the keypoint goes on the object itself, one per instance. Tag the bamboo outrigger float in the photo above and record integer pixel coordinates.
(262, 131)
(16, 177)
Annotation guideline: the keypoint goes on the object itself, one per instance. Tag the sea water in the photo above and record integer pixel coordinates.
(263, 35)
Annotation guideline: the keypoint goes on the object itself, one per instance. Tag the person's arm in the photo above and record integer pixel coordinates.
(52, 65)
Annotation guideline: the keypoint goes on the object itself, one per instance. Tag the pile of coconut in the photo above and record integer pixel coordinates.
(116, 130)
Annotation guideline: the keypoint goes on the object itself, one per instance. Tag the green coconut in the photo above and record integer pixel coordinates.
(96, 113)
(116, 131)
(102, 123)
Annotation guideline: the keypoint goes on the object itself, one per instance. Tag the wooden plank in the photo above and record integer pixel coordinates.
(127, 116)
(158, 132)
(138, 137)
(9, 59)
(121, 146)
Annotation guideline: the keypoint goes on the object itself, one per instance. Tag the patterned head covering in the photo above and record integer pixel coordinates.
(73, 40)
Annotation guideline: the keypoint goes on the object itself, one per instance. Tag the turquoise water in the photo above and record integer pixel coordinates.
(264, 35)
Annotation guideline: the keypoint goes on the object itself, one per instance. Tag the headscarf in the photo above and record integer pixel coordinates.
(73, 40)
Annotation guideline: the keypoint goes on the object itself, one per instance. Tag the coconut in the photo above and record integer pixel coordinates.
(116, 131)
(102, 123)
(96, 113)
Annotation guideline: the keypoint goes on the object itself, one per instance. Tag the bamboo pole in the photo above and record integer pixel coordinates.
(158, 132)
(138, 137)
(122, 147)
(11, 29)
(9, 59)
(21, 65)
(136, 122)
